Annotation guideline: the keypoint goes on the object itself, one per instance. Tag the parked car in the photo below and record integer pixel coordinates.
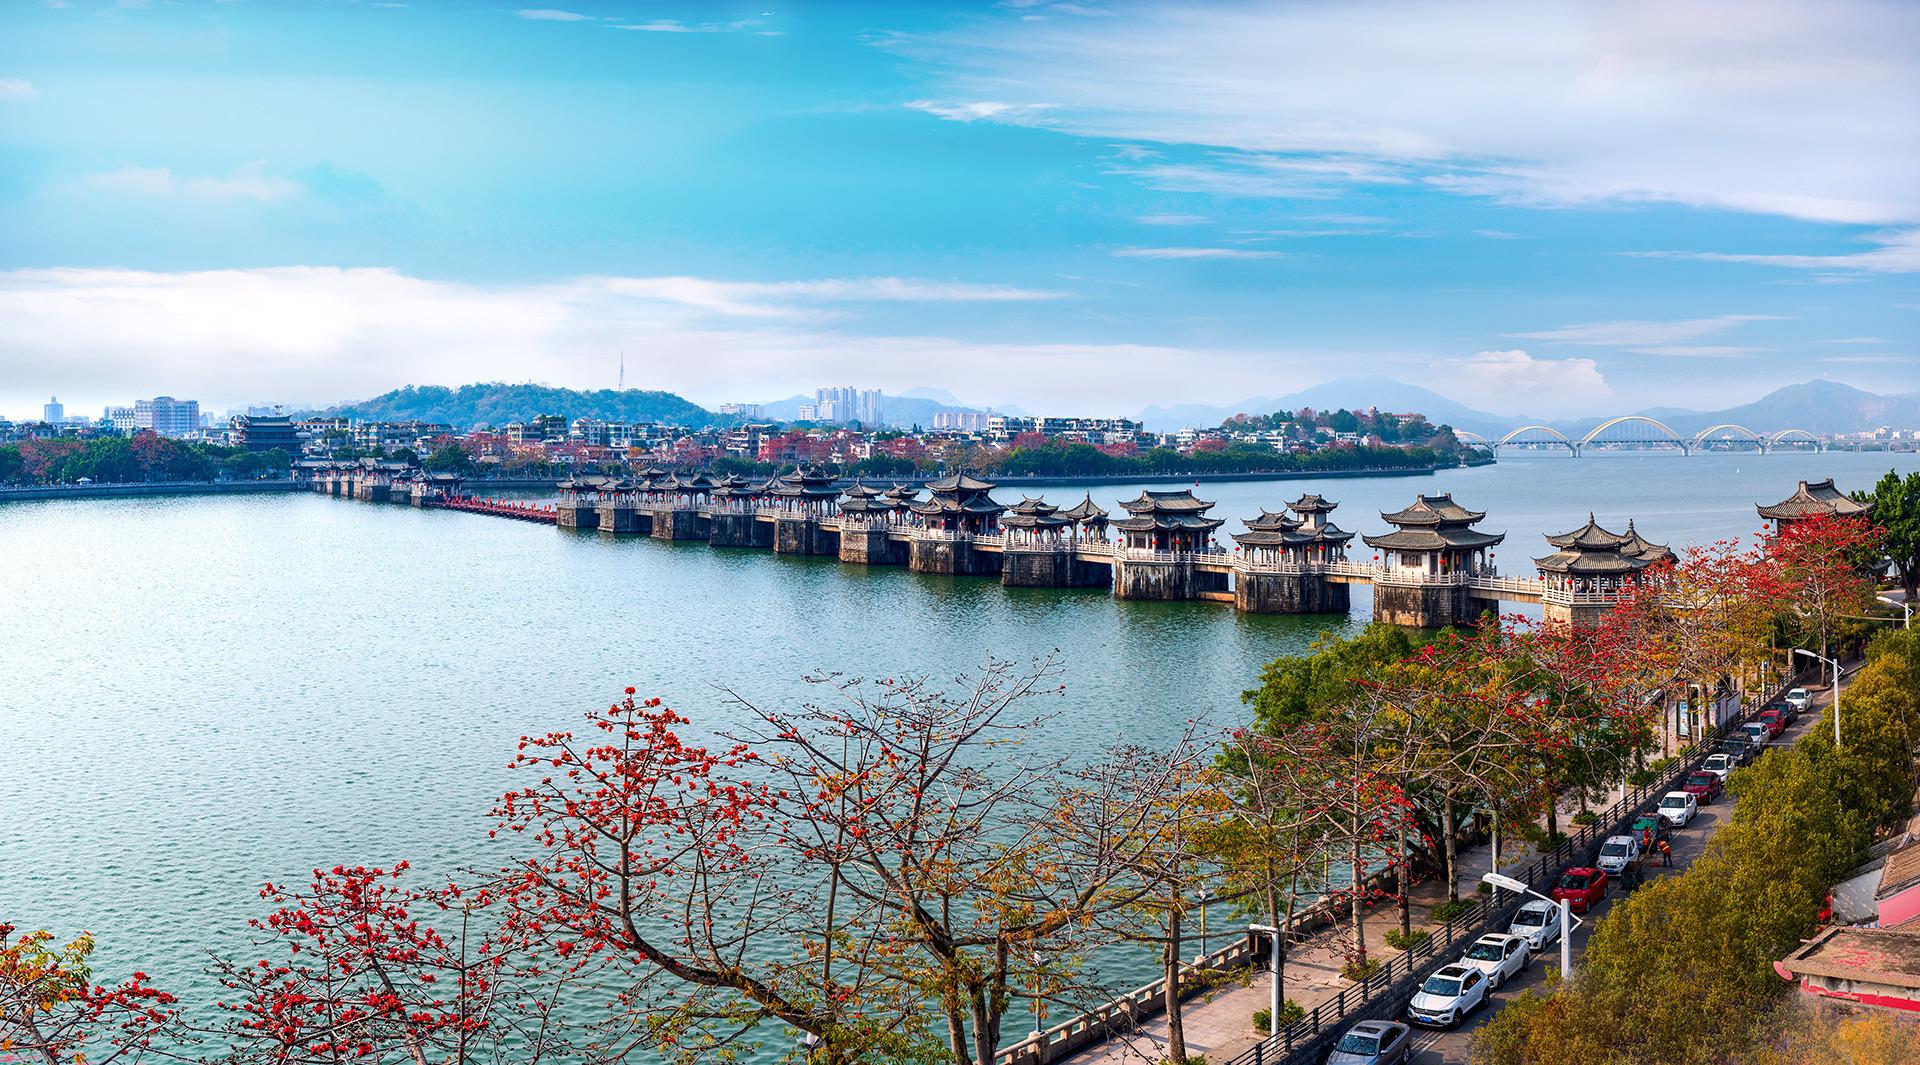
(1704, 787)
(1720, 765)
(1787, 710)
(1650, 829)
(1452, 992)
(1739, 749)
(1678, 807)
(1582, 886)
(1799, 699)
(1539, 922)
(1757, 734)
(1499, 955)
(1775, 721)
(1372, 1043)
(1617, 853)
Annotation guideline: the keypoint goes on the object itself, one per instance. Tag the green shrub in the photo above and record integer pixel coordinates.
(1585, 817)
(1360, 970)
(1290, 1012)
(1407, 941)
(1447, 911)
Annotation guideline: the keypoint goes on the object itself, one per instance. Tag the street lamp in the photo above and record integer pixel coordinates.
(1906, 609)
(1206, 896)
(1273, 962)
(1567, 919)
(1835, 663)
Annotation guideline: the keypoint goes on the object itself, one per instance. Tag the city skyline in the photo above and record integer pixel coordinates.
(1544, 209)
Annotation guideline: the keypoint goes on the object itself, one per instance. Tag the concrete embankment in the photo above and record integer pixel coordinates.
(22, 493)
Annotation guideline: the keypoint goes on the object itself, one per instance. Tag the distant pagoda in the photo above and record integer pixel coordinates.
(1434, 537)
(1167, 521)
(1812, 499)
(959, 503)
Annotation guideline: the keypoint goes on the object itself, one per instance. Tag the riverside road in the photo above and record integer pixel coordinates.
(1435, 1047)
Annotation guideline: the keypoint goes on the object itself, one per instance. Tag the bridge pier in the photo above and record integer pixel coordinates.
(739, 530)
(1428, 605)
(621, 519)
(871, 546)
(679, 523)
(577, 516)
(950, 556)
(804, 536)
(1255, 592)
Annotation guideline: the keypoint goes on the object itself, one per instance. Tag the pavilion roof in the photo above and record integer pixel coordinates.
(1151, 521)
(1589, 537)
(861, 490)
(874, 503)
(981, 504)
(1269, 536)
(1033, 505)
(1177, 502)
(1085, 511)
(1034, 519)
(1596, 562)
(1443, 538)
(1273, 521)
(903, 493)
(1434, 510)
(1638, 546)
(959, 481)
(1311, 504)
(1812, 499)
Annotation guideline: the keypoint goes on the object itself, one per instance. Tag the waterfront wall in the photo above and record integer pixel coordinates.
(158, 488)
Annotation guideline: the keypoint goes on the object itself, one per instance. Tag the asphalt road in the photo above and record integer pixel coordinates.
(1432, 1047)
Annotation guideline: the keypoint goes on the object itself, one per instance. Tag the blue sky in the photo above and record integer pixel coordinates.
(1081, 207)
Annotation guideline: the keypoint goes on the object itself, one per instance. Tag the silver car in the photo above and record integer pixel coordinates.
(1372, 1043)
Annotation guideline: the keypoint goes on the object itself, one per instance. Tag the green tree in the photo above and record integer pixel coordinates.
(1895, 503)
(1298, 687)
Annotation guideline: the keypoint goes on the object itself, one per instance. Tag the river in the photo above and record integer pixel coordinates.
(199, 694)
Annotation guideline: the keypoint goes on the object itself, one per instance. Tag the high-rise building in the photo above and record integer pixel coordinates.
(54, 412)
(744, 410)
(121, 418)
(844, 404)
(167, 416)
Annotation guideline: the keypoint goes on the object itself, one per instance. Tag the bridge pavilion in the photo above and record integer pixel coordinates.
(1592, 567)
(868, 517)
(1428, 561)
(1164, 539)
(1812, 499)
(1279, 553)
(957, 509)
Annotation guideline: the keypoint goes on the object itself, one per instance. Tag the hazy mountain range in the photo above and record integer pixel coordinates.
(1816, 406)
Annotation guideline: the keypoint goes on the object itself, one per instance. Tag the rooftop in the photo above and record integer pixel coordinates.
(1874, 955)
(1812, 499)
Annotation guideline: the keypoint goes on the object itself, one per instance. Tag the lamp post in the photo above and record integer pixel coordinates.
(1835, 663)
(1273, 969)
(1206, 896)
(1567, 919)
(1906, 609)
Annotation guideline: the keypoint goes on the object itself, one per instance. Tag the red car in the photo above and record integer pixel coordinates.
(1776, 723)
(1703, 785)
(1582, 886)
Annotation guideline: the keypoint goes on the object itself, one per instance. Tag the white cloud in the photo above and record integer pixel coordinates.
(17, 89)
(1899, 253)
(1512, 382)
(1196, 253)
(1722, 103)
(1699, 351)
(1627, 333)
(1173, 220)
(1499, 234)
(1870, 360)
(248, 182)
(667, 25)
(978, 110)
(323, 333)
(1856, 340)
(547, 14)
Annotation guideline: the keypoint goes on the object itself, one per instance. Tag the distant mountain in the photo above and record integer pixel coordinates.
(496, 404)
(1353, 393)
(1816, 406)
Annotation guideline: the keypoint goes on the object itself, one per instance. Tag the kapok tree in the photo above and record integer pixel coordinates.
(368, 974)
(646, 872)
(1822, 564)
(52, 1011)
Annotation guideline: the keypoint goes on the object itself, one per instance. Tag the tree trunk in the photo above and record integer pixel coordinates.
(1405, 886)
(1176, 1025)
(1452, 849)
(1359, 887)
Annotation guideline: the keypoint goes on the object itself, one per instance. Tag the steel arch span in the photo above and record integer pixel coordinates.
(1802, 434)
(1558, 437)
(1671, 438)
(1472, 439)
(1700, 438)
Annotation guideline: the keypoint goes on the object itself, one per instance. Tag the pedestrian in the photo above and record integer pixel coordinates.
(1666, 853)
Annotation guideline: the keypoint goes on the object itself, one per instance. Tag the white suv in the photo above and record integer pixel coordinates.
(1449, 994)
(1500, 955)
(1538, 923)
(1799, 699)
(1617, 853)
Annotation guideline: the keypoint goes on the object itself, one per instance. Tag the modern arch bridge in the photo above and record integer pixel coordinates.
(1640, 430)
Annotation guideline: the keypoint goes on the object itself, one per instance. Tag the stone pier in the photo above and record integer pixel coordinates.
(680, 523)
(956, 557)
(871, 547)
(1289, 593)
(622, 519)
(1428, 605)
(804, 536)
(740, 530)
(576, 516)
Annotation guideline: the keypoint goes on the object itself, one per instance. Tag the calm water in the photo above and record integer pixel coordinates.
(199, 694)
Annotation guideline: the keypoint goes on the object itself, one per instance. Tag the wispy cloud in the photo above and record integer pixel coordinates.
(1499, 234)
(1869, 360)
(1699, 351)
(548, 14)
(978, 110)
(1671, 104)
(1639, 334)
(1173, 220)
(1899, 253)
(1196, 253)
(248, 182)
(1856, 340)
(17, 89)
